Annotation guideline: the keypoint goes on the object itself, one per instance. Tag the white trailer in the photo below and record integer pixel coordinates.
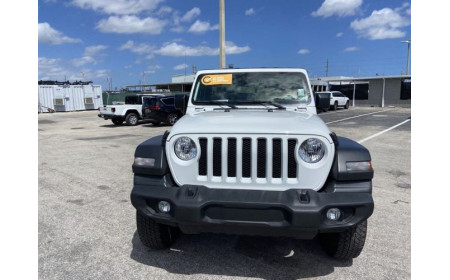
(66, 98)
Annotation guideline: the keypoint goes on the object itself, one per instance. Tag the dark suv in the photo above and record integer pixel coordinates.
(167, 109)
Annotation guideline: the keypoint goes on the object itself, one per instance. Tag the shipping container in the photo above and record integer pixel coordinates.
(66, 97)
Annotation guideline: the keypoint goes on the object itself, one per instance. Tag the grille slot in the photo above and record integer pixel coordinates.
(231, 157)
(261, 166)
(217, 157)
(276, 159)
(292, 164)
(246, 157)
(203, 162)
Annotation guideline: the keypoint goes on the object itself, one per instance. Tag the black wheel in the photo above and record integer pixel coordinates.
(335, 106)
(347, 105)
(172, 118)
(325, 109)
(155, 123)
(132, 119)
(347, 244)
(117, 121)
(154, 235)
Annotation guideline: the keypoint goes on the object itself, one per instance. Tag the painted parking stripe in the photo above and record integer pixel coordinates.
(333, 112)
(384, 131)
(358, 116)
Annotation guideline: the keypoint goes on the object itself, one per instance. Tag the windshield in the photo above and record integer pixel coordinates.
(252, 88)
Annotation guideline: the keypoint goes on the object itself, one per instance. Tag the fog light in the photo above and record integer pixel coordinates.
(164, 206)
(333, 214)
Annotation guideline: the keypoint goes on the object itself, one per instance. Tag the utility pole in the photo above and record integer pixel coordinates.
(408, 55)
(143, 79)
(222, 33)
(327, 69)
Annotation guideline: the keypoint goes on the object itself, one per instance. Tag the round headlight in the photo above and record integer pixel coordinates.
(311, 150)
(185, 148)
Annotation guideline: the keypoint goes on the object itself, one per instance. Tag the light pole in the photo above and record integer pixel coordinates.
(222, 33)
(408, 55)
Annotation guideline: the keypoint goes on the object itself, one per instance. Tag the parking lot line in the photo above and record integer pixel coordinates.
(384, 131)
(358, 116)
(334, 112)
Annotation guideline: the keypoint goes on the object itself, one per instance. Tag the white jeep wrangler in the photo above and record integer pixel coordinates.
(252, 157)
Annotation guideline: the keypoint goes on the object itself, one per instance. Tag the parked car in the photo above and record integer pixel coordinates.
(130, 112)
(164, 109)
(337, 99)
(252, 157)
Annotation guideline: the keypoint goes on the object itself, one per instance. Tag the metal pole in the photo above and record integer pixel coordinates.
(222, 33)
(407, 58)
(407, 61)
(354, 91)
(382, 96)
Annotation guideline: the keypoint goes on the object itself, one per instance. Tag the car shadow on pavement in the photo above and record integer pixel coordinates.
(239, 256)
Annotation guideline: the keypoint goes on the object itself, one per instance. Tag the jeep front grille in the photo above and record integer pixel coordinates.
(247, 158)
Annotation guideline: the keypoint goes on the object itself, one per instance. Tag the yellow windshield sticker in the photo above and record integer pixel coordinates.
(220, 79)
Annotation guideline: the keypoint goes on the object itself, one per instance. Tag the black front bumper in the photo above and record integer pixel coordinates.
(294, 213)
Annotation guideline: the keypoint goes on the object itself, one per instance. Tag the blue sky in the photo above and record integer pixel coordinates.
(122, 39)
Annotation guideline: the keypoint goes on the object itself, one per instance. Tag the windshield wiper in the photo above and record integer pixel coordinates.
(221, 103)
(265, 103)
(279, 106)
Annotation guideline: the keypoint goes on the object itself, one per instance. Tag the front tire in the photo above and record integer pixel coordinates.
(154, 235)
(345, 245)
(132, 119)
(347, 105)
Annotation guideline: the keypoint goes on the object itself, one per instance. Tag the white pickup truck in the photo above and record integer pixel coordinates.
(130, 112)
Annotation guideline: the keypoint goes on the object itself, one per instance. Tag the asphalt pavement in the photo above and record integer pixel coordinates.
(87, 224)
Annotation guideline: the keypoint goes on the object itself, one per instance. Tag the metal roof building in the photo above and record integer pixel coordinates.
(370, 91)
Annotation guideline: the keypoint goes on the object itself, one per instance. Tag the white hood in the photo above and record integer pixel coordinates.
(251, 122)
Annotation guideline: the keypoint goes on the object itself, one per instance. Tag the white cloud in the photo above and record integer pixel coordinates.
(88, 56)
(51, 69)
(177, 29)
(131, 24)
(128, 66)
(303, 51)
(339, 34)
(381, 24)
(181, 66)
(141, 48)
(174, 49)
(339, 8)
(190, 15)
(164, 10)
(48, 35)
(78, 62)
(118, 7)
(202, 26)
(351, 49)
(93, 50)
(250, 12)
